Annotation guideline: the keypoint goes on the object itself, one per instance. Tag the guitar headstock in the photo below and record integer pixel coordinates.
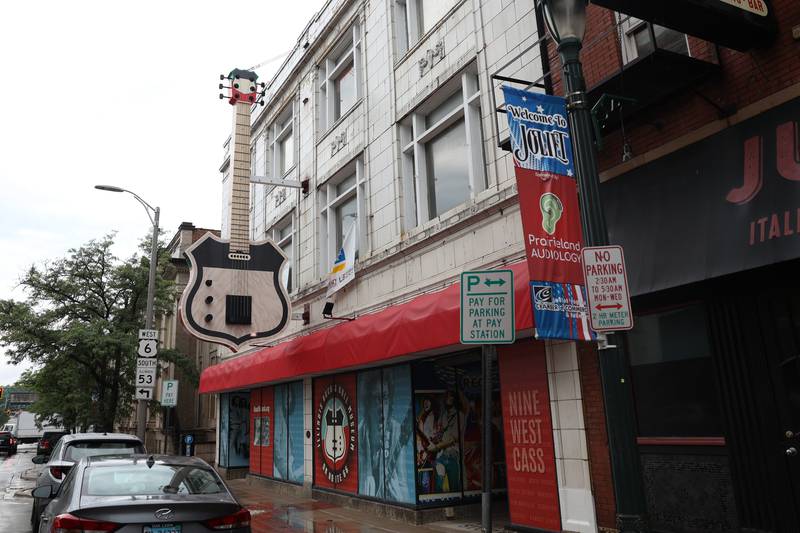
(243, 87)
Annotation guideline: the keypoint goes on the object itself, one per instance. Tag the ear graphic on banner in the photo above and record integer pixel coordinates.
(543, 163)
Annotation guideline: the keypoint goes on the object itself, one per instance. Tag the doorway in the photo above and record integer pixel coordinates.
(755, 322)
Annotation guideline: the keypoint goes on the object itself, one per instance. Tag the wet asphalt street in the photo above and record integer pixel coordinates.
(17, 478)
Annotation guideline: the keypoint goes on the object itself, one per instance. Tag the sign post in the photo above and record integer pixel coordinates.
(607, 288)
(487, 318)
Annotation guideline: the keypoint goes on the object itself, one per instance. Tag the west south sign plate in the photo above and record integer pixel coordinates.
(487, 307)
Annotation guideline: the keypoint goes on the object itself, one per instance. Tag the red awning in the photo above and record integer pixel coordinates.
(425, 323)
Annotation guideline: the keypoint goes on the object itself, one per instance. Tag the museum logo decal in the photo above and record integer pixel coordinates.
(335, 433)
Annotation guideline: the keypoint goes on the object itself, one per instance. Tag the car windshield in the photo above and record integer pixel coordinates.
(137, 479)
(77, 450)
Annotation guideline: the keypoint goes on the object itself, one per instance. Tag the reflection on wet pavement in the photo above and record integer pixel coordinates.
(272, 511)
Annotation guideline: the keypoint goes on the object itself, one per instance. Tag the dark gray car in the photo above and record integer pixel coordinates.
(143, 494)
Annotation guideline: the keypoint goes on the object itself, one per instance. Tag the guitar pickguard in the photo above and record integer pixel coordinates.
(220, 280)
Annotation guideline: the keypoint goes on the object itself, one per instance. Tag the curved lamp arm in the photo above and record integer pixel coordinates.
(147, 207)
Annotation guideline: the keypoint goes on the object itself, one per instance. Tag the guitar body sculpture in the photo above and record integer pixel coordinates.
(234, 295)
(234, 298)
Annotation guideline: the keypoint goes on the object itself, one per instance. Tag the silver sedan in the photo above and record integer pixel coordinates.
(143, 494)
(69, 450)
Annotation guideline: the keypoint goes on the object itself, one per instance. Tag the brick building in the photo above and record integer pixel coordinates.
(699, 168)
(386, 111)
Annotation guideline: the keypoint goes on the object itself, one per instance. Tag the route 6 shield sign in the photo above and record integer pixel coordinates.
(147, 348)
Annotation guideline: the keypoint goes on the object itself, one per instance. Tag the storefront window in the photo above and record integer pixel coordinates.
(280, 446)
(385, 434)
(234, 450)
(448, 426)
(294, 416)
(288, 429)
(673, 383)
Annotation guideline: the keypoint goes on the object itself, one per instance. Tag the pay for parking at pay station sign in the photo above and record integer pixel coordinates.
(487, 307)
(607, 288)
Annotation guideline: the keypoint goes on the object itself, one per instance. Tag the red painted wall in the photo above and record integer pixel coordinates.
(255, 456)
(261, 406)
(267, 412)
(528, 436)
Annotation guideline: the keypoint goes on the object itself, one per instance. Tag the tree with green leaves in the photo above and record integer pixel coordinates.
(79, 327)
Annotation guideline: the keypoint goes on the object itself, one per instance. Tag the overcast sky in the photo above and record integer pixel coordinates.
(123, 93)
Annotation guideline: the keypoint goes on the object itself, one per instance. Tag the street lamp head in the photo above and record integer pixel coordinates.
(565, 19)
(110, 188)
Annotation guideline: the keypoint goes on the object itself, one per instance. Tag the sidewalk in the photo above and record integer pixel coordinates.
(274, 511)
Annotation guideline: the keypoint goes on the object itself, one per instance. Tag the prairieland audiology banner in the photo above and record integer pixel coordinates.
(548, 198)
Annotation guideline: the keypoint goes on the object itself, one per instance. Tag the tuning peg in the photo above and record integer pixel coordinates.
(222, 77)
(221, 96)
(221, 86)
(261, 102)
(263, 85)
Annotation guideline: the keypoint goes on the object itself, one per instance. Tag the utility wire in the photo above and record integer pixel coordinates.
(270, 60)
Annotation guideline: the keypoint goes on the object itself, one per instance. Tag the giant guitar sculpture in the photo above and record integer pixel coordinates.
(234, 295)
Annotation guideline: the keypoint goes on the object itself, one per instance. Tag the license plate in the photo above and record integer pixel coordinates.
(162, 528)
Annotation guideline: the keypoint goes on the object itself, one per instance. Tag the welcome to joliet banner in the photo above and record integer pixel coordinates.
(548, 198)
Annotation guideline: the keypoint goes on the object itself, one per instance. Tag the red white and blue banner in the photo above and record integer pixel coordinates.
(543, 163)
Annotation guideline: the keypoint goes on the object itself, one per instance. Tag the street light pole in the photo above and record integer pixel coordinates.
(149, 319)
(566, 22)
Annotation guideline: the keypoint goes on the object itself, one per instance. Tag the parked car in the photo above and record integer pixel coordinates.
(48, 441)
(154, 494)
(72, 448)
(8, 442)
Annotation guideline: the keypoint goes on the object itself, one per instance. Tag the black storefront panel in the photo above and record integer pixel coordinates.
(728, 203)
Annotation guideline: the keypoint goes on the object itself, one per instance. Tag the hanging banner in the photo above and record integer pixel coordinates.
(528, 437)
(548, 198)
(343, 270)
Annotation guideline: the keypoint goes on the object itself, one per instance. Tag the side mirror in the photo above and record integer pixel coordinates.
(44, 492)
(39, 459)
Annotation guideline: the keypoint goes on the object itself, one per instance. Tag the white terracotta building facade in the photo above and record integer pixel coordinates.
(384, 108)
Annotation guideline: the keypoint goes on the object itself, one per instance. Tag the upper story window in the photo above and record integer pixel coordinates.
(415, 18)
(443, 151)
(259, 163)
(641, 38)
(341, 209)
(340, 79)
(282, 145)
(282, 234)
